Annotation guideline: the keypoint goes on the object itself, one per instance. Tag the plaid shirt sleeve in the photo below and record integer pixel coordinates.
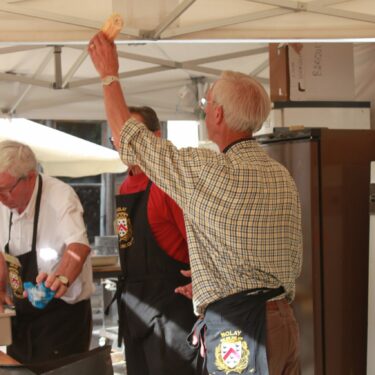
(175, 171)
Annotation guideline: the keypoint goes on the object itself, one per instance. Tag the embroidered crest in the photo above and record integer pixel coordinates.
(15, 280)
(124, 228)
(232, 354)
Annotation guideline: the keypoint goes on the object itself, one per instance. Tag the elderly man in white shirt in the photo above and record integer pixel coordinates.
(43, 239)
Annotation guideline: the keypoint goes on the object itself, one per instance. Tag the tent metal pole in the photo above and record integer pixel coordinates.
(28, 88)
(74, 68)
(107, 193)
(58, 70)
(176, 13)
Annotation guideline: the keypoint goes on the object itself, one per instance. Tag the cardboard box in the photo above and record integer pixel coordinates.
(322, 71)
(312, 72)
(279, 72)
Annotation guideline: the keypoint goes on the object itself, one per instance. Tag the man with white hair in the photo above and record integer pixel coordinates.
(242, 216)
(42, 240)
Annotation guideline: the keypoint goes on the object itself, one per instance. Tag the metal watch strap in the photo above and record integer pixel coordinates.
(107, 80)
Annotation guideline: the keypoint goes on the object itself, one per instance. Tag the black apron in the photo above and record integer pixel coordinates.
(154, 320)
(233, 332)
(60, 328)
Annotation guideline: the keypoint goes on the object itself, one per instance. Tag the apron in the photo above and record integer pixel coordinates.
(233, 332)
(154, 320)
(60, 328)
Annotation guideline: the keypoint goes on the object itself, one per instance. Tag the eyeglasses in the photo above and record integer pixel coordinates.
(203, 103)
(9, 191)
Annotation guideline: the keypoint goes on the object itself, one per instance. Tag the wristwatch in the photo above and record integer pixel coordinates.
(64, 280)
(107, 80)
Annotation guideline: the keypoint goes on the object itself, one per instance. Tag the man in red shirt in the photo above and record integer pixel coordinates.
(154, 320)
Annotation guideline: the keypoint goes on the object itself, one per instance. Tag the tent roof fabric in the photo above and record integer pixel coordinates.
(169, 50)
(62, 21)
(61, 154)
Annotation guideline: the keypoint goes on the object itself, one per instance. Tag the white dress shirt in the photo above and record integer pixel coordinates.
(60, 224)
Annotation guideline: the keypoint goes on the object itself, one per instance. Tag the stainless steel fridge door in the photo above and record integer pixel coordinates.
(301, 159)
(371, 281)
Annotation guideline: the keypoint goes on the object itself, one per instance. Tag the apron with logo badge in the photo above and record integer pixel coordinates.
(154, 320)
(60, 328)
(233, 333)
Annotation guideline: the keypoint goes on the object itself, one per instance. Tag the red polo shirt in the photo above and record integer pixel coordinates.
(164, 216)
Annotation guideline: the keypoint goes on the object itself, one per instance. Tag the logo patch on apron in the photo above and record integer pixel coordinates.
(232, 354)
(14, 275)
(124, 228)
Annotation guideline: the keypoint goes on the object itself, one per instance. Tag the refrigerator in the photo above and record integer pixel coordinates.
(331, 168)
(371, 279)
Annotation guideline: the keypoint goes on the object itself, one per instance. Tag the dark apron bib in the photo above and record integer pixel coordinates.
(40, 335)
(233, 332)
(148, 301)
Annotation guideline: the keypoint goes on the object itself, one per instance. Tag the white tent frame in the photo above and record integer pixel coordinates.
(164, 31)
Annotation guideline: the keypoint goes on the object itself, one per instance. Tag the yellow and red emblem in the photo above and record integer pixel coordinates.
(232, 354)
(124, 228)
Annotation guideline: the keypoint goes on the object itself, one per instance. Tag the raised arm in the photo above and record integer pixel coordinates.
(104, 56)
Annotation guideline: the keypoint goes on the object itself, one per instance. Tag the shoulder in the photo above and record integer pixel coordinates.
(157, 196)
(58, 192)
(54, 185)
(162, 200)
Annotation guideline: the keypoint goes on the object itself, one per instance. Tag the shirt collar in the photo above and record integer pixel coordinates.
(226, 149)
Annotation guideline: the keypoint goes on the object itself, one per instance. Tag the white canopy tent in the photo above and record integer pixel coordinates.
(61, 154)
(169, 49)
(67, 21)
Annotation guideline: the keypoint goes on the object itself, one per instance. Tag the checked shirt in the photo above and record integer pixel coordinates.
(241, 210)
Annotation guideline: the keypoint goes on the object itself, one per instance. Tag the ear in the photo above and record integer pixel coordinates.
(157, 133)
(219, 114)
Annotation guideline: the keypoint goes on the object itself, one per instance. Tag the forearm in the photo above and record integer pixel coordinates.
(116, 109)
(72, 261)
(103, 53)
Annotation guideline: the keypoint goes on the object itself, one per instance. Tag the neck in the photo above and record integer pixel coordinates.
(231, 137)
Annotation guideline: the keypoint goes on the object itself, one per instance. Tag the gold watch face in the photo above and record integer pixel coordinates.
(63, 279)
(107, 80)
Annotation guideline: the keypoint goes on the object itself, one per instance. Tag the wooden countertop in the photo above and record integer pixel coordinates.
(102, 272)
(6, 360)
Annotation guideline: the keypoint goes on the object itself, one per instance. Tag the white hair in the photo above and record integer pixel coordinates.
(245, 102)
(16, 158)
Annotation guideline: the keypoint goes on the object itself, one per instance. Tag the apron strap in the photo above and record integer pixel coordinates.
(6, 247)
(120, 284)
(148, 186)
(37, 210)
(196, 340)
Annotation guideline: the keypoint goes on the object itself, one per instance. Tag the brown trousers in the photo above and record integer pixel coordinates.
(282, 339)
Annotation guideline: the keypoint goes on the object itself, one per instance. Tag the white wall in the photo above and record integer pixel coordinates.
(364, 69)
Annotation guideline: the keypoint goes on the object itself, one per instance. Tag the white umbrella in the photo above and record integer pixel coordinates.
(59, 153)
